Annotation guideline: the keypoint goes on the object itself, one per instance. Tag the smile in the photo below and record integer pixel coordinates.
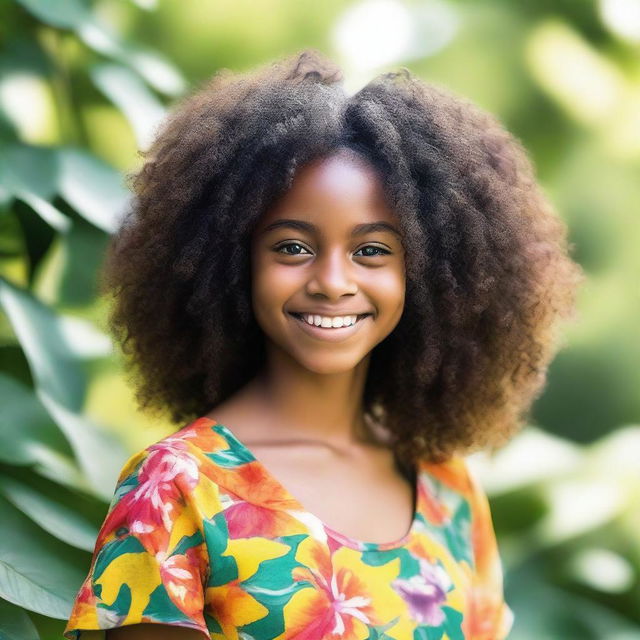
(329, 334)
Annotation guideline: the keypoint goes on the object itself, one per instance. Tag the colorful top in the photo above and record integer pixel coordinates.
(200, 535)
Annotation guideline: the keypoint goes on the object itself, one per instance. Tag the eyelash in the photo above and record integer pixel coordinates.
(297, 244)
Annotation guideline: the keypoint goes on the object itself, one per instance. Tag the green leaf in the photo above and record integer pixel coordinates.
(15, 624)
(99, 453)
(75, 14)
(156, 70)
(25, 427)
(129, 93)
(28, 436)
(61, 469)
(37, 572)
(11, 239)
(558, 613)
(65, 14)
(100, 37)
(148, 5)
(92, 187)
(26, 169)
(31, 174)
(83, 338)
(57, 519)
(46, 211)
(76, 272)
(53, 363)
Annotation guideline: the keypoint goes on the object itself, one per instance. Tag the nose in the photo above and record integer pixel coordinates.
(332, 276)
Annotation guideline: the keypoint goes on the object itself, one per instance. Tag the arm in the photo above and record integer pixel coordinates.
(148, 568)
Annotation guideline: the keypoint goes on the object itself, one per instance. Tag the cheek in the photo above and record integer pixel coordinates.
(389, 288)
(272, 283)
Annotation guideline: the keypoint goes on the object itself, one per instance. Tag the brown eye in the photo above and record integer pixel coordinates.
(286, 246)
(373, 255)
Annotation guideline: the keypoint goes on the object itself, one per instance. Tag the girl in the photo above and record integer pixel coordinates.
(337, 298)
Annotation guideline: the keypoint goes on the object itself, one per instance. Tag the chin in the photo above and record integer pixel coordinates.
(329, 365)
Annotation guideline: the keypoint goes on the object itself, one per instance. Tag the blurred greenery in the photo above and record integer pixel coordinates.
(83, 86)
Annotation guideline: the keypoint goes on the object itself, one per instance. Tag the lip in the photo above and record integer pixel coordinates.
(334, 334)
(331, 314)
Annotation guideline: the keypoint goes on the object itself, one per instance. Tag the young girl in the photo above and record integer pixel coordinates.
(337, 298)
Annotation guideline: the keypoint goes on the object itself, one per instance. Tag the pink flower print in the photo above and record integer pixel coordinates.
(149, 510)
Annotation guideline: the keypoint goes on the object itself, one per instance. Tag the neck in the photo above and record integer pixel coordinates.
(315, 406)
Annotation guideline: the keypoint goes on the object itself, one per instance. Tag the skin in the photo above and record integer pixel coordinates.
(310, 386)
(304, 409)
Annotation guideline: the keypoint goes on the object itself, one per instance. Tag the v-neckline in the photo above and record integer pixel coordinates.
(341, 538)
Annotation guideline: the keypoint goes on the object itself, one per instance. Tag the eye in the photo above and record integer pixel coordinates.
(280, 248)
(384, 252)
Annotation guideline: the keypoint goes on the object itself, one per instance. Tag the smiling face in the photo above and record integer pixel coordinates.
(329, 248)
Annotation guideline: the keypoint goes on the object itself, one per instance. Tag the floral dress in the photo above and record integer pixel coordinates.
(200, 535)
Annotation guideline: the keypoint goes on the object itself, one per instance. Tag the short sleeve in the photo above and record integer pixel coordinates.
(492, 618)
(150, 562)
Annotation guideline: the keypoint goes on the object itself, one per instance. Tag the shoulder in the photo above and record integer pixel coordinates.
(459, 476)
(454, 473)
(207, 465)
(177, 477)
(179, 454)
(458, 483)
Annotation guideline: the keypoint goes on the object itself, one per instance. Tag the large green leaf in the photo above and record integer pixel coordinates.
(47, 211)
(151, 65)
(54, 365)
(37, 571)
(127, 91)
(15, 624)
(65, 14)
(26, 429)
(12, 246)
(99, 453)
(28, 436)
(543, 610)
(31, 175)
(60, 520)
(156, 70)
(92, 187)
(61, 469)
(37, 174)
(53, 347)
(82, 252)
(75, 14)
(28, 169)
(83, 338)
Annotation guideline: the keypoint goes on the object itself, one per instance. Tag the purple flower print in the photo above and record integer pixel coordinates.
(425, 593)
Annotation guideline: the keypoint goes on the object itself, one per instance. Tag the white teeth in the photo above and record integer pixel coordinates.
(326, 322)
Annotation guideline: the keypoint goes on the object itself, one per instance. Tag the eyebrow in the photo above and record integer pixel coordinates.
(358, 230)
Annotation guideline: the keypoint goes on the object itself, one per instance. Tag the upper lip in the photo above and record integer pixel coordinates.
(333, 313)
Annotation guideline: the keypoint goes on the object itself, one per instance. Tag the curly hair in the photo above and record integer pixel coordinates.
(488, 272)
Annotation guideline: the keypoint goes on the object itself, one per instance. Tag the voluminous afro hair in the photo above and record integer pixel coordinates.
(488, 273)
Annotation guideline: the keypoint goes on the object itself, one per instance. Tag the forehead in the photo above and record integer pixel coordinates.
(337, 190)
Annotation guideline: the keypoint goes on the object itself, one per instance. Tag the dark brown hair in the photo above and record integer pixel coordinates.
(488, 271)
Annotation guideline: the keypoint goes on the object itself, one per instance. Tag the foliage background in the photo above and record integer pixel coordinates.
(82, 86)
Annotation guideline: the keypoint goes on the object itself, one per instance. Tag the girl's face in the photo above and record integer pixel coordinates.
(330, 248)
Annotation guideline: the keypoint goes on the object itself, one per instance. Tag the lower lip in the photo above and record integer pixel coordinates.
(328, 334)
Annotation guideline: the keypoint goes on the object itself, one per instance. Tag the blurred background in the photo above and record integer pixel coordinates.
(83, 86)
